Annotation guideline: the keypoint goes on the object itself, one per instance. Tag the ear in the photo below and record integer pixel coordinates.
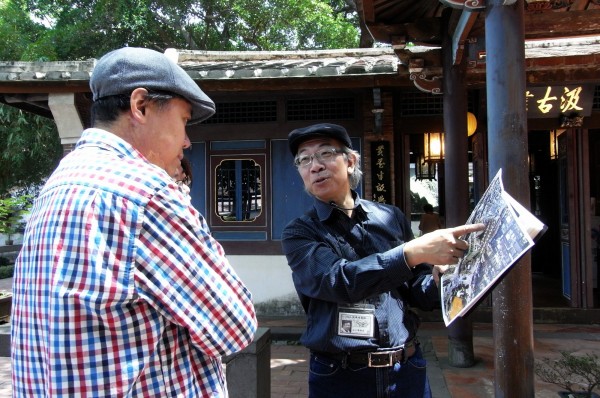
(138, 104)
(351, 162)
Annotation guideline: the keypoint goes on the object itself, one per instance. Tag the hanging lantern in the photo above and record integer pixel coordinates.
(434, 147)
(424, 170)
(471, 124)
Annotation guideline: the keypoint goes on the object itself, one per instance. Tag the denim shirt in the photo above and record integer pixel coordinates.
(337, 260)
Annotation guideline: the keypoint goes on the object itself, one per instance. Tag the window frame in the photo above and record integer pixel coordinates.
(256, 230)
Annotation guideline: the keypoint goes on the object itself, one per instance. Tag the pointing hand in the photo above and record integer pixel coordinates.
(441, 247)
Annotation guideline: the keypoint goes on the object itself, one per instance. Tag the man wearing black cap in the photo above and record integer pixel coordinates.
(119, 289)
(356, 261)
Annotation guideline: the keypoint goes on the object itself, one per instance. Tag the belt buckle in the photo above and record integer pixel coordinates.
(377, 354)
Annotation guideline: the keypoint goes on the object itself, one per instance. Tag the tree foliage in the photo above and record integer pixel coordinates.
(84, 29)
(576, 374)
(29, 149)
(21, 39)
(61, 30)
(12, 210)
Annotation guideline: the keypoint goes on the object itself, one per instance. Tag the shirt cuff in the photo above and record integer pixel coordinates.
(396, 256)
(405, 260)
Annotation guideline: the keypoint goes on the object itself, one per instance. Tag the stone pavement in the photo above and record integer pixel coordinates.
(289, 371)
(289, 361)
(5, 387)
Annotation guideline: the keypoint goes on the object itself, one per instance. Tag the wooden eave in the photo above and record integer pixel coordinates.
(400, 22)
(27, 85)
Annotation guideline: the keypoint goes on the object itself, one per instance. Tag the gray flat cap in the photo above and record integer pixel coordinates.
(122, 71)
(298, 136)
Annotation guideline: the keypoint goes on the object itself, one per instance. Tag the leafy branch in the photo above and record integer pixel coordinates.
(571, 372)
(12, 209)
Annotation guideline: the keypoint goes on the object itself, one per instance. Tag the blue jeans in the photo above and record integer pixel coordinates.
(328, 379)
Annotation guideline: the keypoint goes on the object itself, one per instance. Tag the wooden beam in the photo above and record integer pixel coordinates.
(421, 31)
(400, 79)
(561, 24)
(579, 5)
(432, 58)
(29, 87)
(367, 10)
(463, 28)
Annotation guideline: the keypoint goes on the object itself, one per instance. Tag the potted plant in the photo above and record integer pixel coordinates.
(578, 374)
(12, 210)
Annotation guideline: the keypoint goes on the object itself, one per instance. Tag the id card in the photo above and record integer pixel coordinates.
(356, 321)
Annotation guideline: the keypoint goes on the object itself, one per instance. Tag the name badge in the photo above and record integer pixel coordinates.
(356, 320)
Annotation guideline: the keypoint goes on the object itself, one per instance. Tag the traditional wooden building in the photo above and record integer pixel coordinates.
(562, 50)
(538, 108)
(244, 179)
(388, 99)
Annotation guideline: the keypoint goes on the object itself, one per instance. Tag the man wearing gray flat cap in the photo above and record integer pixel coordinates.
(119, 289)
(355, 262)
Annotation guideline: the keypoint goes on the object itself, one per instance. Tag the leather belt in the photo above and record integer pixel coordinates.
(377, 359)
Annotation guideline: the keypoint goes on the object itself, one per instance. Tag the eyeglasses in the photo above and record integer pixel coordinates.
(322, 156)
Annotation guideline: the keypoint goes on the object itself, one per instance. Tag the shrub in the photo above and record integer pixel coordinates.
(576, 374)
(7, 271)
(12, 211)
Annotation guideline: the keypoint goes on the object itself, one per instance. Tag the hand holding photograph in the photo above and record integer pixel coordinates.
(510, 231)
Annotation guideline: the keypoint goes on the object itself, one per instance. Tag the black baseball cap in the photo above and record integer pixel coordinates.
(122, 71)
(328, 130)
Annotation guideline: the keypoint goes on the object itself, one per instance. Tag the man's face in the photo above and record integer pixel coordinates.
(326, 180)
(166, 137)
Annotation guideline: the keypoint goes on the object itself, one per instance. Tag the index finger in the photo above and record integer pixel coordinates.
(467, 228)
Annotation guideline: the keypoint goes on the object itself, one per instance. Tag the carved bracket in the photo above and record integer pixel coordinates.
(569, 121)
(399, 42)
(416, 65)
(465, 4)
(432, 86)
(538, 6)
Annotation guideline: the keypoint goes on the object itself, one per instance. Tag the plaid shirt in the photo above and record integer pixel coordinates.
(119, 289)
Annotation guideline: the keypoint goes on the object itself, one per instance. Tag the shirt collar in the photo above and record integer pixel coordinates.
(325, 210)
(94, 137)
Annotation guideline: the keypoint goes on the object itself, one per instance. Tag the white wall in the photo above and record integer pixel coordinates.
(267, 277)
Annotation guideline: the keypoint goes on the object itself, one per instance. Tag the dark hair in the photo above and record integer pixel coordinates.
(186, 168)
(428, 208)
(108, 109)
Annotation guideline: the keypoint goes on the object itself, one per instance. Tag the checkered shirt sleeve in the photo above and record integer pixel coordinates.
(120, 290)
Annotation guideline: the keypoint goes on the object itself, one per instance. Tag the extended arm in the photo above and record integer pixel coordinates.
(326, 267)
(183, 273)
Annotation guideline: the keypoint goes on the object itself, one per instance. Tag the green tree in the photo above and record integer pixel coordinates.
(42, 30)
(12, 211)
(29, 150)
(21, 39)
(349, 10)
(29, 145)
(88, 28)
(578, 374)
